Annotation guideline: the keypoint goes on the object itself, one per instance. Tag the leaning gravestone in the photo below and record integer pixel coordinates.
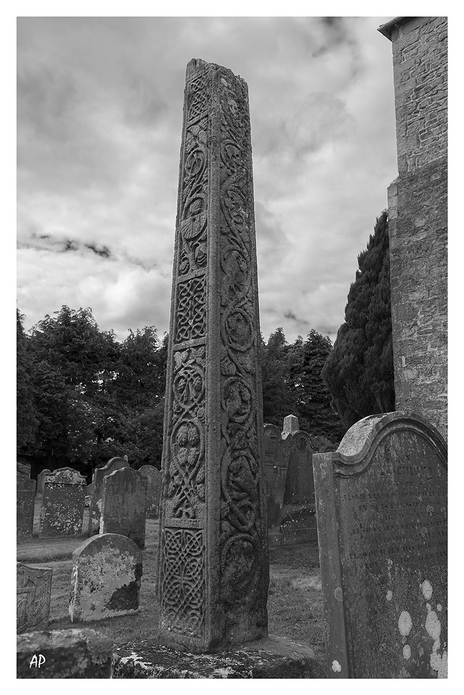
(64, 654)
(381, 512)
(106, 577)
(63, 503)
(99, 474)
(123, 505)
(25, 500)
(33, 594)
(153, 478)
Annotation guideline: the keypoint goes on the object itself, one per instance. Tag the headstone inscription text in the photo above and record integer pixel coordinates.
(381, 505)
(213, 570)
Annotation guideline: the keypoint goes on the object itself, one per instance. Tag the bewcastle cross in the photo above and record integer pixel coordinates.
(213, 569)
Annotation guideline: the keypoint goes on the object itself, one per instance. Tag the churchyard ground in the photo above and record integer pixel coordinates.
(295, 596)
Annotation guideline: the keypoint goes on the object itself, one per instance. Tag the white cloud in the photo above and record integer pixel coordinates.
(99, 126)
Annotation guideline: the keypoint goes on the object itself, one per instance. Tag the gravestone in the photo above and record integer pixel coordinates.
(25, 500)
(33, 594)
(106, 577)
(276, 464)
(123, 505)
(41, 480)
(381, 507)
(62, 503)
(299, 511)
(64, 654)
(213, 570)
(99, 474)
(153, 478)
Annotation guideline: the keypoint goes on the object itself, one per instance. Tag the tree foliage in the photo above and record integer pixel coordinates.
(292, 384)
(359, 371)
(92, 397)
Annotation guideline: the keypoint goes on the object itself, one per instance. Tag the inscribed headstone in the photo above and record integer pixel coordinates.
(64, 654)
(153, 477)
(99, 474)
(123, 505)
(25, 500)
(62, 503)
(381, 506)
(106, 577)
(33, 595)
(212, 561)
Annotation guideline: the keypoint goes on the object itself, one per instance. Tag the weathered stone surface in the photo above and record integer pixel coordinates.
(272, 657)
(99, 474)
(123, 505)
(213, 561)
(417, 218)
(65, 654)
(25, 500)
(276, 456)
(41, 480)
(381, 506)
(298, 518)
(106, 577)
(63, 503)
(33, 594)
(153, 477)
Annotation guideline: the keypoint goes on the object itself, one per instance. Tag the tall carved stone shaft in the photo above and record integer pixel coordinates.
(213, 562)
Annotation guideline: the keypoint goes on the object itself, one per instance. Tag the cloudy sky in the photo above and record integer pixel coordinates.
(99, 125)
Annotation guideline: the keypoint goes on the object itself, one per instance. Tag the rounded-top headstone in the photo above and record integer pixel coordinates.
(106, 578)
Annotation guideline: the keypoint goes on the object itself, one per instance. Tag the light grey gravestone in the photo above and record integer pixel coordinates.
(99, 474)
(33, 595)
(64, 654)
(276, 457)
(382, 506)
(25, 500)
(106, 578)
(62, 503)
(213, 570)
(153, 478)
(123, 505)
(41, 480)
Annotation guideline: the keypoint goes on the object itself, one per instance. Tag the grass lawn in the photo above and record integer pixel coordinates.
(294, 604)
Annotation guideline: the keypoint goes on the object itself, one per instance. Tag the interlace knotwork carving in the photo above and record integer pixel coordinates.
(190, 316)
(183, 582)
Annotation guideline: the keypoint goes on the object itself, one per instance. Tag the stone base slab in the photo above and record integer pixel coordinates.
(273, 657)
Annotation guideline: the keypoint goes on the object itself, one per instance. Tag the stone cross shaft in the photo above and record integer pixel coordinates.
(213, 569)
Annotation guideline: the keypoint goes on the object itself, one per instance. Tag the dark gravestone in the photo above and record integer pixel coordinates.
(99, 474)
(25, 500)
(123, 505)
(33, 594)
(153, 478)
(64, 654)
(63, 503)
(381, 507)
(106, 577)
(298, 523)
(275, 463)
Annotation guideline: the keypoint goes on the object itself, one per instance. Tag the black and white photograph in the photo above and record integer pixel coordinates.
(231, 342)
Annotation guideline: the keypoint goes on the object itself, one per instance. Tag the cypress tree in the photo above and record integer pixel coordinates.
(359, 370)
